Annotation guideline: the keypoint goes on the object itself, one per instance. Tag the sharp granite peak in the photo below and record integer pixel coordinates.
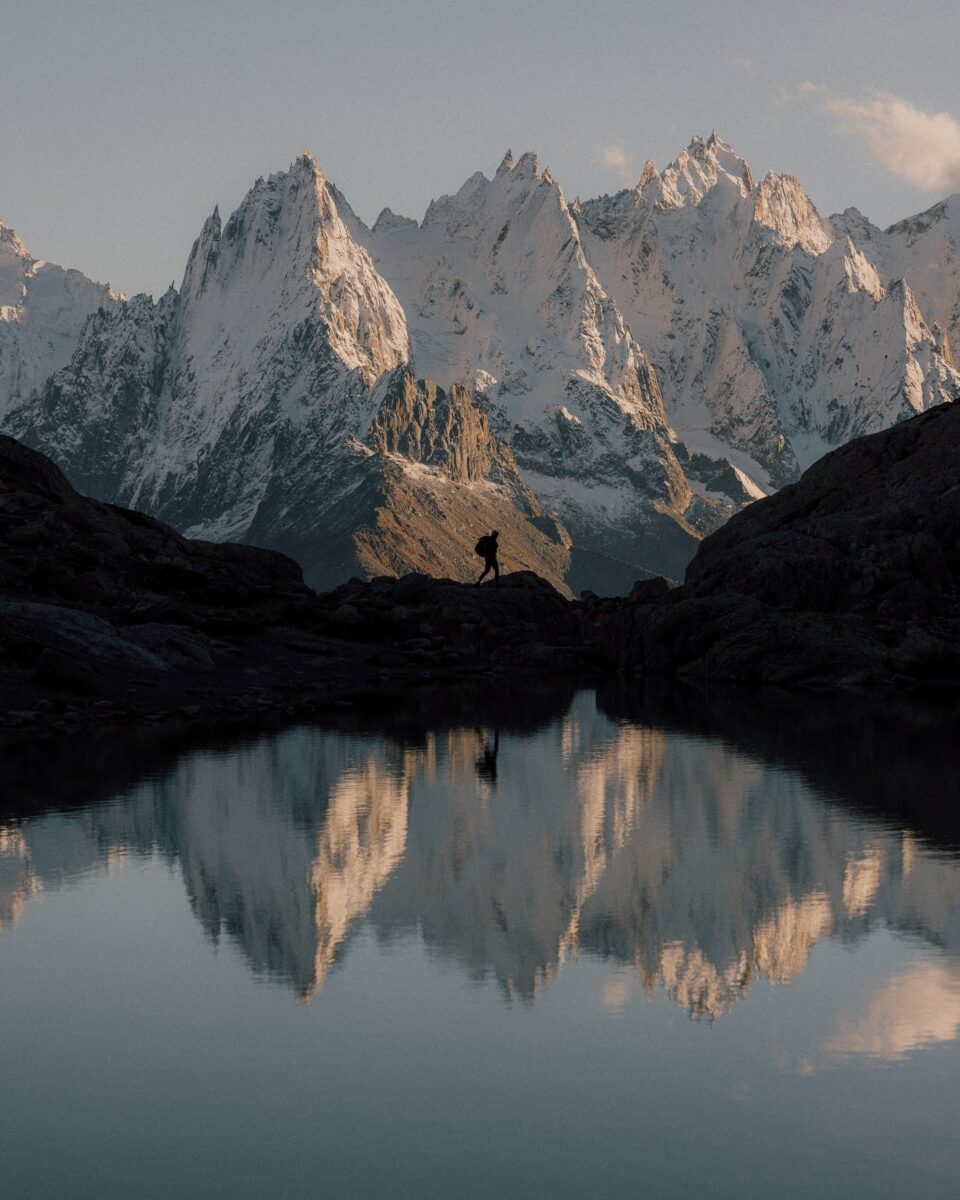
(42, 312)
(607, 380)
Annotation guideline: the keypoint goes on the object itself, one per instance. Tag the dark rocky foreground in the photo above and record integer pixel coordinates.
(849, 577)
(109, 616)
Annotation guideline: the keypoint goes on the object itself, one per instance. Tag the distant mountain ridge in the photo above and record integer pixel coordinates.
(606, 381)
(778, 335)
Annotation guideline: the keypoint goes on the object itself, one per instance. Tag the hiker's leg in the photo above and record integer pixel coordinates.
(483, 573)
(496, 573)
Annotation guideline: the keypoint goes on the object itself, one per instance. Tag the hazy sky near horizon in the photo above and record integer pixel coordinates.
(124, 122)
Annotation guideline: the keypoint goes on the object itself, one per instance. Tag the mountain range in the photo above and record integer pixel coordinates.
(603, 381)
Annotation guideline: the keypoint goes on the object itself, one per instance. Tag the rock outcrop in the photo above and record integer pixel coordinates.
(413, 493)
(850, 576)
(109, 615)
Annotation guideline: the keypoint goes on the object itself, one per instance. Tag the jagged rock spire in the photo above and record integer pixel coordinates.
(649, 172)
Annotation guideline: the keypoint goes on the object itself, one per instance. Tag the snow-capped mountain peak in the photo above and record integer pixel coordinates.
(648, 174)
(695, 172)
(388, 219)
(781, 205)
(527, 167)
(288, 246)
(764, 320)
(10, 243)
(42, 311)
(281, 324)
(203, 256)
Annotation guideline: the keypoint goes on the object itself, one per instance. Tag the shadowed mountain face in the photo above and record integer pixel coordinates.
(428, 478)
(704, 844)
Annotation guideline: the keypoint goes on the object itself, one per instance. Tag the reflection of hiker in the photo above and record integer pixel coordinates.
(487, 548)
(487, 758)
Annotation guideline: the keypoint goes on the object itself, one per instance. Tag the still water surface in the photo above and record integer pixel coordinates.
(606, 956)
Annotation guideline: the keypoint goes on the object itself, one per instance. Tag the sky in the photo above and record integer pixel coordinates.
(123, 122)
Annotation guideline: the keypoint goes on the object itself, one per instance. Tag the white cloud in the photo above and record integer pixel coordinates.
(745, 64)
(921, 147)
(919, 1007)
(618, 159)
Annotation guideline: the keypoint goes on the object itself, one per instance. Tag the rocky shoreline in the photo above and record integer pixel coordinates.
(110, 617)
(849, 578)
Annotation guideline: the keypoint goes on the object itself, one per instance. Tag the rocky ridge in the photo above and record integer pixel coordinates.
(107, 615)
(850, 576)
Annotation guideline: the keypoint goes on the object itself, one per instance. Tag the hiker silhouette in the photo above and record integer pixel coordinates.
(487, 547)
(487, 758)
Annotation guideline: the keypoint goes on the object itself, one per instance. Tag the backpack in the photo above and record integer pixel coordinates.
(483, 546)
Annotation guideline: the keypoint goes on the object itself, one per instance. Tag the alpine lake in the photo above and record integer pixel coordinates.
(545, 944)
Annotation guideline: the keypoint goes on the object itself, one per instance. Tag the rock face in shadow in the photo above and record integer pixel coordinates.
(851, 576)
(414, 494)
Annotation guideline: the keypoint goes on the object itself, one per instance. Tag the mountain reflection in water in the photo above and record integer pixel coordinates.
(700, 846)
